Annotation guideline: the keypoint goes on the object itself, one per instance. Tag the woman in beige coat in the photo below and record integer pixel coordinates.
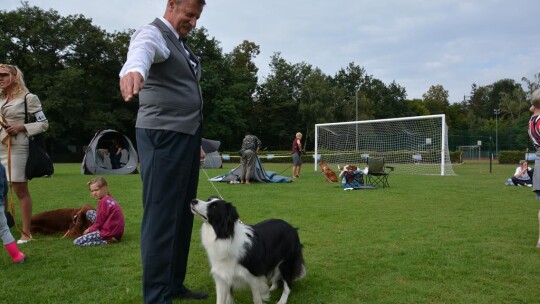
(14, 134)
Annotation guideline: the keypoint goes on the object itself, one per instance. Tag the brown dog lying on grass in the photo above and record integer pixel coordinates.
(329, 175)
(70, 221)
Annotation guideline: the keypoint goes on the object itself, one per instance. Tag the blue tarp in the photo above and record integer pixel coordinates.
(260, 175)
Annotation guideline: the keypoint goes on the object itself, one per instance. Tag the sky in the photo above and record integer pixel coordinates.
(416, 43)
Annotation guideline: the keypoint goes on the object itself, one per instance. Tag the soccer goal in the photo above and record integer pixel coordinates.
(414, 145)
(470, 152)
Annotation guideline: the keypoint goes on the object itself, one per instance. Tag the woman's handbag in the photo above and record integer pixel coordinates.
(38, 164)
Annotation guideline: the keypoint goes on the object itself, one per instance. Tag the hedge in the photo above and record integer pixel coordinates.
(512, 157)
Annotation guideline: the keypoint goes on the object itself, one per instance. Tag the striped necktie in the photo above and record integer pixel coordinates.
(191, 61)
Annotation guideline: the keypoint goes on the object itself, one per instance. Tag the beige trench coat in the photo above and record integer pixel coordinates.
(13, 112)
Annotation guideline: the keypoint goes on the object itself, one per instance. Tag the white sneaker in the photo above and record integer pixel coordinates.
(529, 185)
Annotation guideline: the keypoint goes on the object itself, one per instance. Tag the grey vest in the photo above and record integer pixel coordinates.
(171, 98)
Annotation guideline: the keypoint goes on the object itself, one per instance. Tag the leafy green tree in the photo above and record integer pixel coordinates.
(395, 101)
(243, 85)
(350, 80)
(317, 103)
(513, 105)
(277, 102)
(73, 67)
(219, 122)
(228, 84)
(416, 107)
(436, 99)
(532, 85)
(478, 102)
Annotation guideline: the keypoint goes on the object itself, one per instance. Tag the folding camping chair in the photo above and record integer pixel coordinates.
(378, 172)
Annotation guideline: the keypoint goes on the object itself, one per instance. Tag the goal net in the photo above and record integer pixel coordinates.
(413, 145)
(470, 152)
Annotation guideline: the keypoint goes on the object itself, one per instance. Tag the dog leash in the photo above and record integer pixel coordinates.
(285, 170)
(211, 182)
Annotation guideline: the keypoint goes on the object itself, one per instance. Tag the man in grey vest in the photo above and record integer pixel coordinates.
(163, 71)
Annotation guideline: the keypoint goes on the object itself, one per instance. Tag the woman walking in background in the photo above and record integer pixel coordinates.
(14, 136)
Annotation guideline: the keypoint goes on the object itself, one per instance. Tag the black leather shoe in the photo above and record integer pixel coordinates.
(188, 294)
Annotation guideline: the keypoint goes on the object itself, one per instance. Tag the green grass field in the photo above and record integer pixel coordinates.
(426, 239)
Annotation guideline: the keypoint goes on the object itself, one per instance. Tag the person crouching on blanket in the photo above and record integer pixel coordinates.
(108, 220)
(350, 177)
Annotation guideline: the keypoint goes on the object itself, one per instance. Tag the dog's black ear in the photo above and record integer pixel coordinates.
(232, 217)
(232, 214)
(224, 228)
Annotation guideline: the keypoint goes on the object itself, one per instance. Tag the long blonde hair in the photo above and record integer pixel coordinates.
(19, 87)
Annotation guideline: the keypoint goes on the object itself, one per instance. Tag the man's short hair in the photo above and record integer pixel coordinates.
(535, 98)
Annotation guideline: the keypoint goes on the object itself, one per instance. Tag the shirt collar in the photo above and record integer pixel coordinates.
(169, 25)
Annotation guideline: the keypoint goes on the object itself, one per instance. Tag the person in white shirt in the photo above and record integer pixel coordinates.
(523, 175)
(165, 74)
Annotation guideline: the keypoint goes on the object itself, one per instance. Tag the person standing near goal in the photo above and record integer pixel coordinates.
(297, 155)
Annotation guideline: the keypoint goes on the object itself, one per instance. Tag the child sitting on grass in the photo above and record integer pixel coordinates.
(522, 176)
(7, 238)
(108, 220)
(350, 177)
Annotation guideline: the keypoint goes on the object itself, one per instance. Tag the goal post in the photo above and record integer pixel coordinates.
(413, 145)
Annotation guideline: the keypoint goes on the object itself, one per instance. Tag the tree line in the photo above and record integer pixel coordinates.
(73, 66)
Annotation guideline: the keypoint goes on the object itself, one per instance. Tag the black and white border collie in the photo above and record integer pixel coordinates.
(240, 254)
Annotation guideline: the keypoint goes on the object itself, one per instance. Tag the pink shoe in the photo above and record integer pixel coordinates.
(16, 255)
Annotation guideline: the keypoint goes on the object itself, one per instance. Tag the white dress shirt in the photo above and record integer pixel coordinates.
(148, 46)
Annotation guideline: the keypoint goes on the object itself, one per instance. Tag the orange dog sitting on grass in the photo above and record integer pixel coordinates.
(329, 175)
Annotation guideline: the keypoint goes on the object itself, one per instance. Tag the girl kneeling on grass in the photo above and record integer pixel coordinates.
(5, 234)
(108, 221)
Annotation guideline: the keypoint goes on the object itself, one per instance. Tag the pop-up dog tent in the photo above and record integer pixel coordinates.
(97, 158)
(213, 157)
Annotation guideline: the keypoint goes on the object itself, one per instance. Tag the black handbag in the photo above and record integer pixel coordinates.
(39, 163)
